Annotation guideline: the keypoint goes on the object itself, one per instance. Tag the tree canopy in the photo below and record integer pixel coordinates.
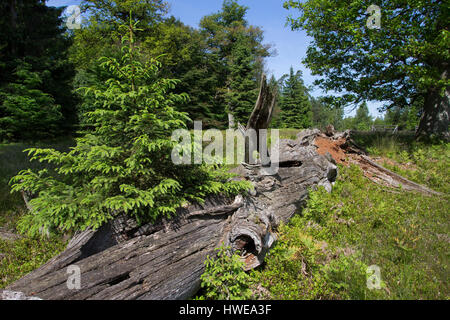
(401, 62)
(34, 72)
(238, 51)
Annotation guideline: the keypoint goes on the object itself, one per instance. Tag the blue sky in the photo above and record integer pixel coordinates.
(270, 15)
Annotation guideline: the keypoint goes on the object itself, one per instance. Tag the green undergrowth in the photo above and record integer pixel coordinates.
(326, 251)
(421, 163)
(224, 277)
(25, 255)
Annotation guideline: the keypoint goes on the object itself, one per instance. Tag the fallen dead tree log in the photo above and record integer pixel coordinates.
(165, 260)
(344, 150)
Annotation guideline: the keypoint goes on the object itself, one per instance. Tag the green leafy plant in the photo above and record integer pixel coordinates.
(349, 56)
(123, 164)
(224, 277)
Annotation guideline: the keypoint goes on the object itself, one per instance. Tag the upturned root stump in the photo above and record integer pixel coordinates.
(165, 260)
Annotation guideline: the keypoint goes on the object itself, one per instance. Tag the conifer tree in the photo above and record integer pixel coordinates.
(237, 50)
(33, 47)
(123, 164)
(296, 109)
(243, 90)
(363, 120)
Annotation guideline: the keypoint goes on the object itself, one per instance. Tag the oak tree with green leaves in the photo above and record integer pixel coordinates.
(402, 62)
(123, 163)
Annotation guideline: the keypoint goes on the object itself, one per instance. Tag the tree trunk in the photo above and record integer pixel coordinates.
(435, 119)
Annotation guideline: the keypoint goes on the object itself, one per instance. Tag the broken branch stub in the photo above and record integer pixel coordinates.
(259, 119)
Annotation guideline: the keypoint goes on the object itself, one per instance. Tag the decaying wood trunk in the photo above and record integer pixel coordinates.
(8, 236)
(259, 119)
(165, 260)
(262, 113)
(383, 176)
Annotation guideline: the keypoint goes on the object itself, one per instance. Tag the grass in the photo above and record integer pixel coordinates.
(26, 254)
(325, 252)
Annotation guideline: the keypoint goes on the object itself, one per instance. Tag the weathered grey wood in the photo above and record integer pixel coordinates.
(165, 260)
(260, 118)
(262, 113)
